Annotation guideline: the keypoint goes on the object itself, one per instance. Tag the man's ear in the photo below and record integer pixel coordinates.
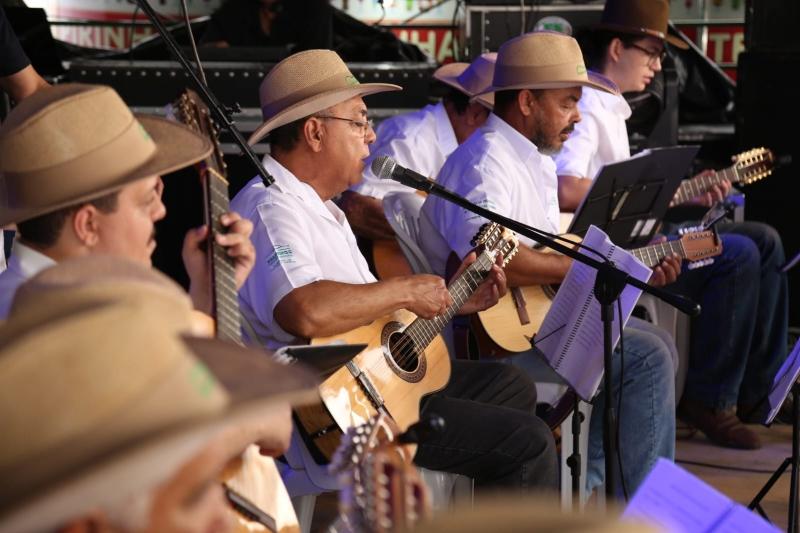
(85, 224)
(525, 102)
(476, 114)
(313, 133)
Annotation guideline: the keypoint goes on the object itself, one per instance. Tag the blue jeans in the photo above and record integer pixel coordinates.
(739, 340)
(647, 417)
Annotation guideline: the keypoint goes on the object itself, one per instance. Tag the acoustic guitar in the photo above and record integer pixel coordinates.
(748, 167)
(252, 483)
(405, 359)
(381, 489)
(512, 323)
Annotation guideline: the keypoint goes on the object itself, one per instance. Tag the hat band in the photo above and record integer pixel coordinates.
(471, 82)
(82, 175)
(512, 76)
(342, 80)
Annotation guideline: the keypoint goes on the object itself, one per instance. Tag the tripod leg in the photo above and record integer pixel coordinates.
(756, 503)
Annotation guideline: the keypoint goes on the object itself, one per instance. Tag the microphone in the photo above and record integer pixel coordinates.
(387, 168)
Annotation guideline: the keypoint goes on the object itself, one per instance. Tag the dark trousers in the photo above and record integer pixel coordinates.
(492, 434)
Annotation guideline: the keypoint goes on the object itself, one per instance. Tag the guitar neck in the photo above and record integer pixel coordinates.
(653, 254)
(223, 280)
(698, 185)
(423, 331)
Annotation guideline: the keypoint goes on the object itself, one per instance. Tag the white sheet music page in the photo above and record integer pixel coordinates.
(572, 332)
(678, 502)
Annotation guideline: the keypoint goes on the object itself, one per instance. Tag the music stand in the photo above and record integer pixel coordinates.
(785, 382)
(629, 198)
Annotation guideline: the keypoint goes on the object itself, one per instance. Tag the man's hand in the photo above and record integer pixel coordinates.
(427, 295)
(365, 215)
(715, 194)
(489, 291)
(237, 244)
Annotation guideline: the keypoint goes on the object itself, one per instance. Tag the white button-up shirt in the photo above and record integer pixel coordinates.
(600, 138)
(496, 168)
(420, 141)
(23, 264)
(299, 239)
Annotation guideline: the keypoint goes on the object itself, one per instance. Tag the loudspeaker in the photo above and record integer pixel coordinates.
(767, 115)
(772, 25)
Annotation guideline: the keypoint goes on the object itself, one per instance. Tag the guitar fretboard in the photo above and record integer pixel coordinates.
(423, 331)
(226, 303)
(696, 186)
(653, 254)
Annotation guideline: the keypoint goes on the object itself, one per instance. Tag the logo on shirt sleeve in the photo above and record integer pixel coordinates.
(281, 255)
(486, 204)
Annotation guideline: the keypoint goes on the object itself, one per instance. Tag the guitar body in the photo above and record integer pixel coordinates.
(506, 325)
(389, 260)
(346, 401)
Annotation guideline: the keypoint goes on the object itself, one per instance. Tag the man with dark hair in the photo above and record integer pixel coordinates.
(311, 281)
(421, 141)
(81, 176)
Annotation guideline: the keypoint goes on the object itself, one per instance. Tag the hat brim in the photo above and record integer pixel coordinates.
(599, 85)
(448, 74)
(644, 32)
(176, 147)
(254, 383)
(317, 103)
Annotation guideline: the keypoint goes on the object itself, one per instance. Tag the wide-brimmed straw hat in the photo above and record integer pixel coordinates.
(102, 400)
(306, 83)
(648, 18)
(542, 60)
(71, 143)
(471, 78)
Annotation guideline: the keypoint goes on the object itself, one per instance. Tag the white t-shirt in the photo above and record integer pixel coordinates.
(420, 141)
(600, 138)
(299, 239)
(23, 263)
(496, 168)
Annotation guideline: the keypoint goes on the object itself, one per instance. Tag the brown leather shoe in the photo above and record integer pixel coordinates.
(721, 426)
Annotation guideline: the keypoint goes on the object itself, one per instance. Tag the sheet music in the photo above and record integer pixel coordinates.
(782, 384)
(677, 501)
(575, 351)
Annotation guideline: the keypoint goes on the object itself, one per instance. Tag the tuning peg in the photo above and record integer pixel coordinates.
(689, 229)
(699, 264)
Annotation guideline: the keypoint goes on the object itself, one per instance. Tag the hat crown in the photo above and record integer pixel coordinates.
(479, 74)
(302, 75)
(539, 49)
(62, 123)
(637, 15)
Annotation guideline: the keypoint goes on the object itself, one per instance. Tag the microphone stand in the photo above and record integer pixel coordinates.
(608, 285)
(220, 113)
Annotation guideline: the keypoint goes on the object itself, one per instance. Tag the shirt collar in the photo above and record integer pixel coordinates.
(524, 147)
(615, 103)
(444, 130)
(26, 261)
(290, 184)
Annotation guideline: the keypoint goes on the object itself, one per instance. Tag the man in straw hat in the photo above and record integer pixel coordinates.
(311, 281)
(80, 175)
(506, 167)
(113, 422)
(733, 356)
(421, 140)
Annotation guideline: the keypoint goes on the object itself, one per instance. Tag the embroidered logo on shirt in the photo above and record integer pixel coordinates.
(281, 254)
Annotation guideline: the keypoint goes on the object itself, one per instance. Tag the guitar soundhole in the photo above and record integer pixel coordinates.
(404, 351)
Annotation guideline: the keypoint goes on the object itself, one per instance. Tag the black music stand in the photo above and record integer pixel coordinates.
(629, 198)
(785, 382)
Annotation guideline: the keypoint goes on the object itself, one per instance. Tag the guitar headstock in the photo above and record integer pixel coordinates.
(495, 239)
(700, 247)
(381, 488)
(753, 165)
(190, 110)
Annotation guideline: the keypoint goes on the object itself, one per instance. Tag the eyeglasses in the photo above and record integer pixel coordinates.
(363, 125)
(661, 55)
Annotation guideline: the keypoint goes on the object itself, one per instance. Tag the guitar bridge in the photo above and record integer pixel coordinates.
(366, 385)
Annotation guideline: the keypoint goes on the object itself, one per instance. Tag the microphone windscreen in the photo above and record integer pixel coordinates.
(383, 166)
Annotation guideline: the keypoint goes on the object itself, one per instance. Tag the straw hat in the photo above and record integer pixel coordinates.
(306, 83)
(639, 17)
(471, 78)
(101, 400)
(542, 60)
(71, 143)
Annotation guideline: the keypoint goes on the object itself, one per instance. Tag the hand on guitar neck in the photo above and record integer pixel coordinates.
(716, 192)
(668, 269)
